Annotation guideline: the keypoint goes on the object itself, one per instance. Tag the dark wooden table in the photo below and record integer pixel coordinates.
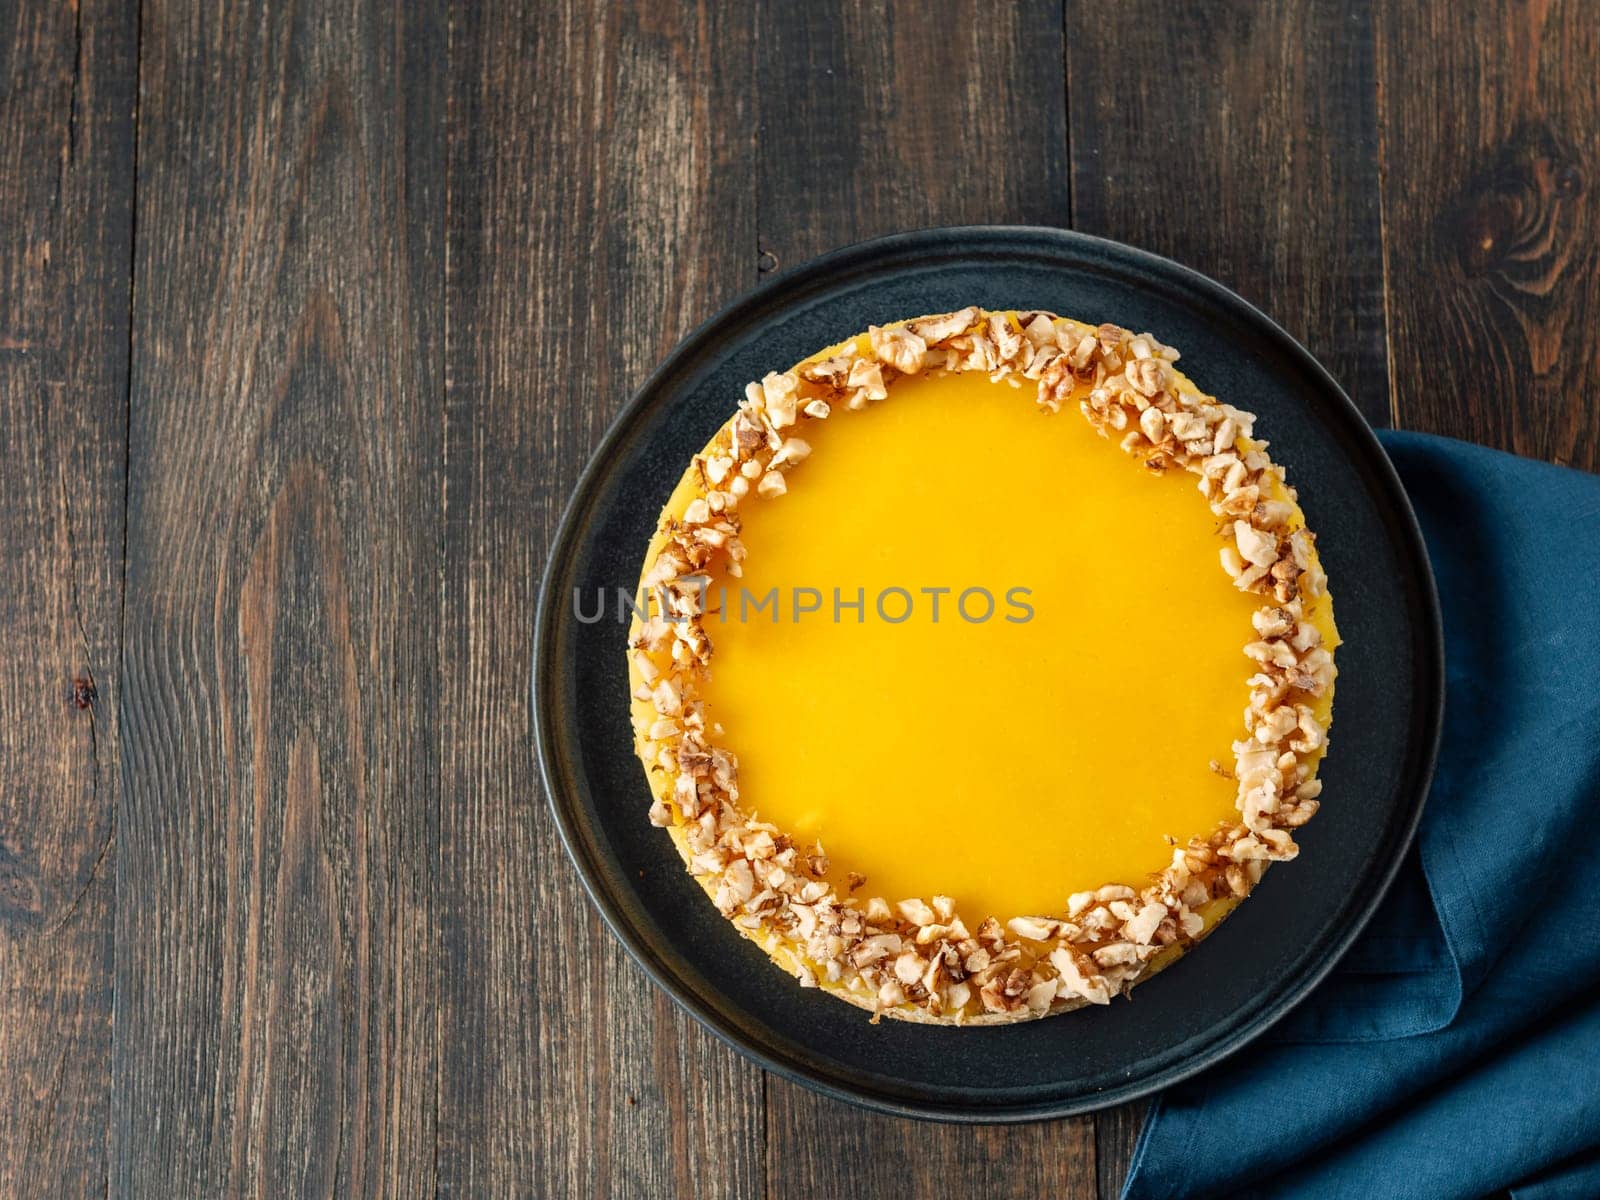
(310, 314)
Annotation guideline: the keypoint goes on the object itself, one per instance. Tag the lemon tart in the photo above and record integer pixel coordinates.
(981, 664)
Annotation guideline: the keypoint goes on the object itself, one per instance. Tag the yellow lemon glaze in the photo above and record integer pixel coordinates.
(1005, 762)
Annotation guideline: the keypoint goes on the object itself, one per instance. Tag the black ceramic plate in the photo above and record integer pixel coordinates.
(1265, 957)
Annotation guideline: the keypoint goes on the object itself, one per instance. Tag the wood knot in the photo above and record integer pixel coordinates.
(84, 693)
(1514, 219)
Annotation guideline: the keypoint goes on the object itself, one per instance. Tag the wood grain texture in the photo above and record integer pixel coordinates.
(1116, 1133)
(1240, 138)
(600, 205)
(281, 908)
(889, 115)
(66, 187)
(877, 118)
(1491, 134)
(276, 954)
(818, 1147)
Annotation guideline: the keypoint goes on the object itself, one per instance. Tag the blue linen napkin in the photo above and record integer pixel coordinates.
(1456, 1049)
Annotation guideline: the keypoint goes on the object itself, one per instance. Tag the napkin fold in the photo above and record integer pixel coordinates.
(1455, 1051)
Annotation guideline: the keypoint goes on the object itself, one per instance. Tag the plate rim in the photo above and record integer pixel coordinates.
(1430, 683)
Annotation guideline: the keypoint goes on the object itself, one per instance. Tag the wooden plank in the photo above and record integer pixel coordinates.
(876, 118)
(66, 188)
(1116, 1133)
(818, 1147)
(890, 115)
(1491, 135)
(601, 204)
(1239, 138)
(276, 951)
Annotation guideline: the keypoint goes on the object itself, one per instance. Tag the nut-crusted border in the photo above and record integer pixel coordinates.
(918, 960)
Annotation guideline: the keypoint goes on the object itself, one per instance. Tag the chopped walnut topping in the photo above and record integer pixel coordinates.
(1007, 341)
(1257, 547)
(866, 379)
(908, 967)
(917, 912)
(1074, 981)
(781, 392)
(1038, 929)
(1141, 927)
(899, 348)
(1146, 376)
(934, 330)
(920, 954)
(793, 450)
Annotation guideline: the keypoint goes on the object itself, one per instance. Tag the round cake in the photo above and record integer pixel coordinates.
(980, 664)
